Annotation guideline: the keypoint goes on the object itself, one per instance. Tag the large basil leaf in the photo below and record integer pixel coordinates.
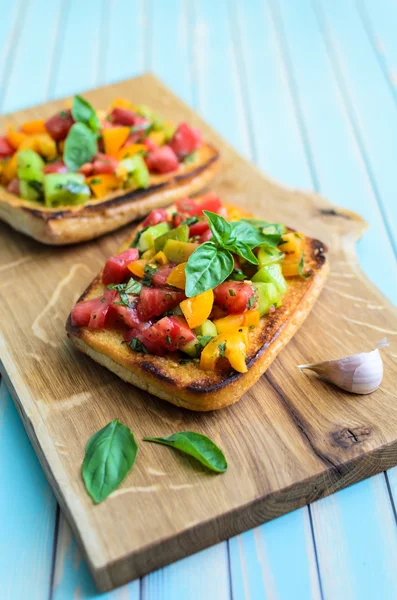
(109, 456)
(206, 268)
(80, 146)
(220, 228)
(197, 445)
(244, 251)
(83, 112)
(251, 236)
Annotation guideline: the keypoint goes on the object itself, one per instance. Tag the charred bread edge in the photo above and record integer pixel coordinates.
(200, 397)
(59, 227)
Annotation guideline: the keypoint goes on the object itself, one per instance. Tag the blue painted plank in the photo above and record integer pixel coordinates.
(339, 165)
(72, 578)
(372, 109)
(27, 512)
(30, 76)
(219, 96)
(356, 539)
(170, 47)
(123, 41)
(277, 142)
(79, 56)
(261, 558)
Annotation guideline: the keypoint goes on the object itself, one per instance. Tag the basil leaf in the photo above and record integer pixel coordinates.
(206, 268)
(137, 346)
(250, 235)
(80, 146)
(301, 266)
(197, 445)
(220, 228)
(190, 158)
(83, 112)
(244, 251)
(109, 456)
(133, 287)
(237, 275)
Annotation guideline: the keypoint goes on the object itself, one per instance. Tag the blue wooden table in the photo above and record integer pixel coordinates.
(307, 90)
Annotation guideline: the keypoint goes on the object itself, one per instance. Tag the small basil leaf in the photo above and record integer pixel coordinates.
(301, 266)
(197, 445)
(206, 268)
(244, 251)
(83, 112)
(190, 158)
(250, 235)
(237, 275)
(220, 228)
(80, 146)
(109, 456)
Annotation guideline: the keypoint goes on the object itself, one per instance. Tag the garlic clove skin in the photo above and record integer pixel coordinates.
(359, 374)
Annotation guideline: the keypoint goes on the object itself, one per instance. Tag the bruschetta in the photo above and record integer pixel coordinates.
(199, 301)
(85, 172)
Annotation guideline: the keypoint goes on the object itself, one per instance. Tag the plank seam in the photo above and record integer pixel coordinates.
(276, 18)
(57, 53)
(54, 552)
(103, 41)
(393, 504)
(229, 569)
(347, 101)
(320, 583)
(12, 45)
(147, 12)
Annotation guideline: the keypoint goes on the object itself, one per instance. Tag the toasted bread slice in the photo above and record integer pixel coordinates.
(187, 385)
(80, 223)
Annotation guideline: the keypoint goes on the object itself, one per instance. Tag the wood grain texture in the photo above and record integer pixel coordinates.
(288, 440)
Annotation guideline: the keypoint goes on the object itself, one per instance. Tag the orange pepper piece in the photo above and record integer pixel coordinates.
(101, 185)
(45, 145)
(114, 138)
(29, 143)
(130, 150)
(161, 258)
(231, 345)
(250, 319)
(196, 310)
(32, 127)
(10, 169)
(122, 103)
(292, 246)
(138, 267)
(15, 137)
(177, 277)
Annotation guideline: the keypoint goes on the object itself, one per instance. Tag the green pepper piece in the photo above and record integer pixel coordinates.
(148, 237)
(180, 233)
(65, 189)
(271, 274)
(138, 173)
(268, 295)
(31, 190)
(30, 166)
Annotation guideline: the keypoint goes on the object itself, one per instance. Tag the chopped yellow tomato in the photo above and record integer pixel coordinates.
(292, 247)
(177, 277)
(130, 150)
(161, 258)
(196, 310)
(122, 103)
(158, 137)
(45, 145)
(15, 137)
(10, 169)
(29, 143)
(101, 114)
(33, 127)
(249, 319)
(149, 254)
(101, 185)
(138, 267)
(231, 345)
(114, 138)
(234, 213)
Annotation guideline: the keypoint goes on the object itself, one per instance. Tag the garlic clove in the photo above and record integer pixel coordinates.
(359, 374)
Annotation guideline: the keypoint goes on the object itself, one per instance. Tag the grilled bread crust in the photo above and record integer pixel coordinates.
(80, 223)
(187, 385)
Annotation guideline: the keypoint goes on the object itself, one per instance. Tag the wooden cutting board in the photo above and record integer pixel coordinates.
(290, 440)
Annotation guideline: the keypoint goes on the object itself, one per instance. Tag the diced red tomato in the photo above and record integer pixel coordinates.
(162, 160)
(116, 267)
(123, 316)
(92, 313)
(58, 126)
(185, 140)
(151, 347)
(123, 116)
(104, 164)
(234, 296)
(198, 228)
(13, 186)
(158, 215)
(177, 219)
(56, 167)
(206, 236)
(87, 169)
(150, 144)
(160, 277)
(211, 202)
(194, 208)
(170, 333)
(6, 149)
(188, 206)
(155, 301)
